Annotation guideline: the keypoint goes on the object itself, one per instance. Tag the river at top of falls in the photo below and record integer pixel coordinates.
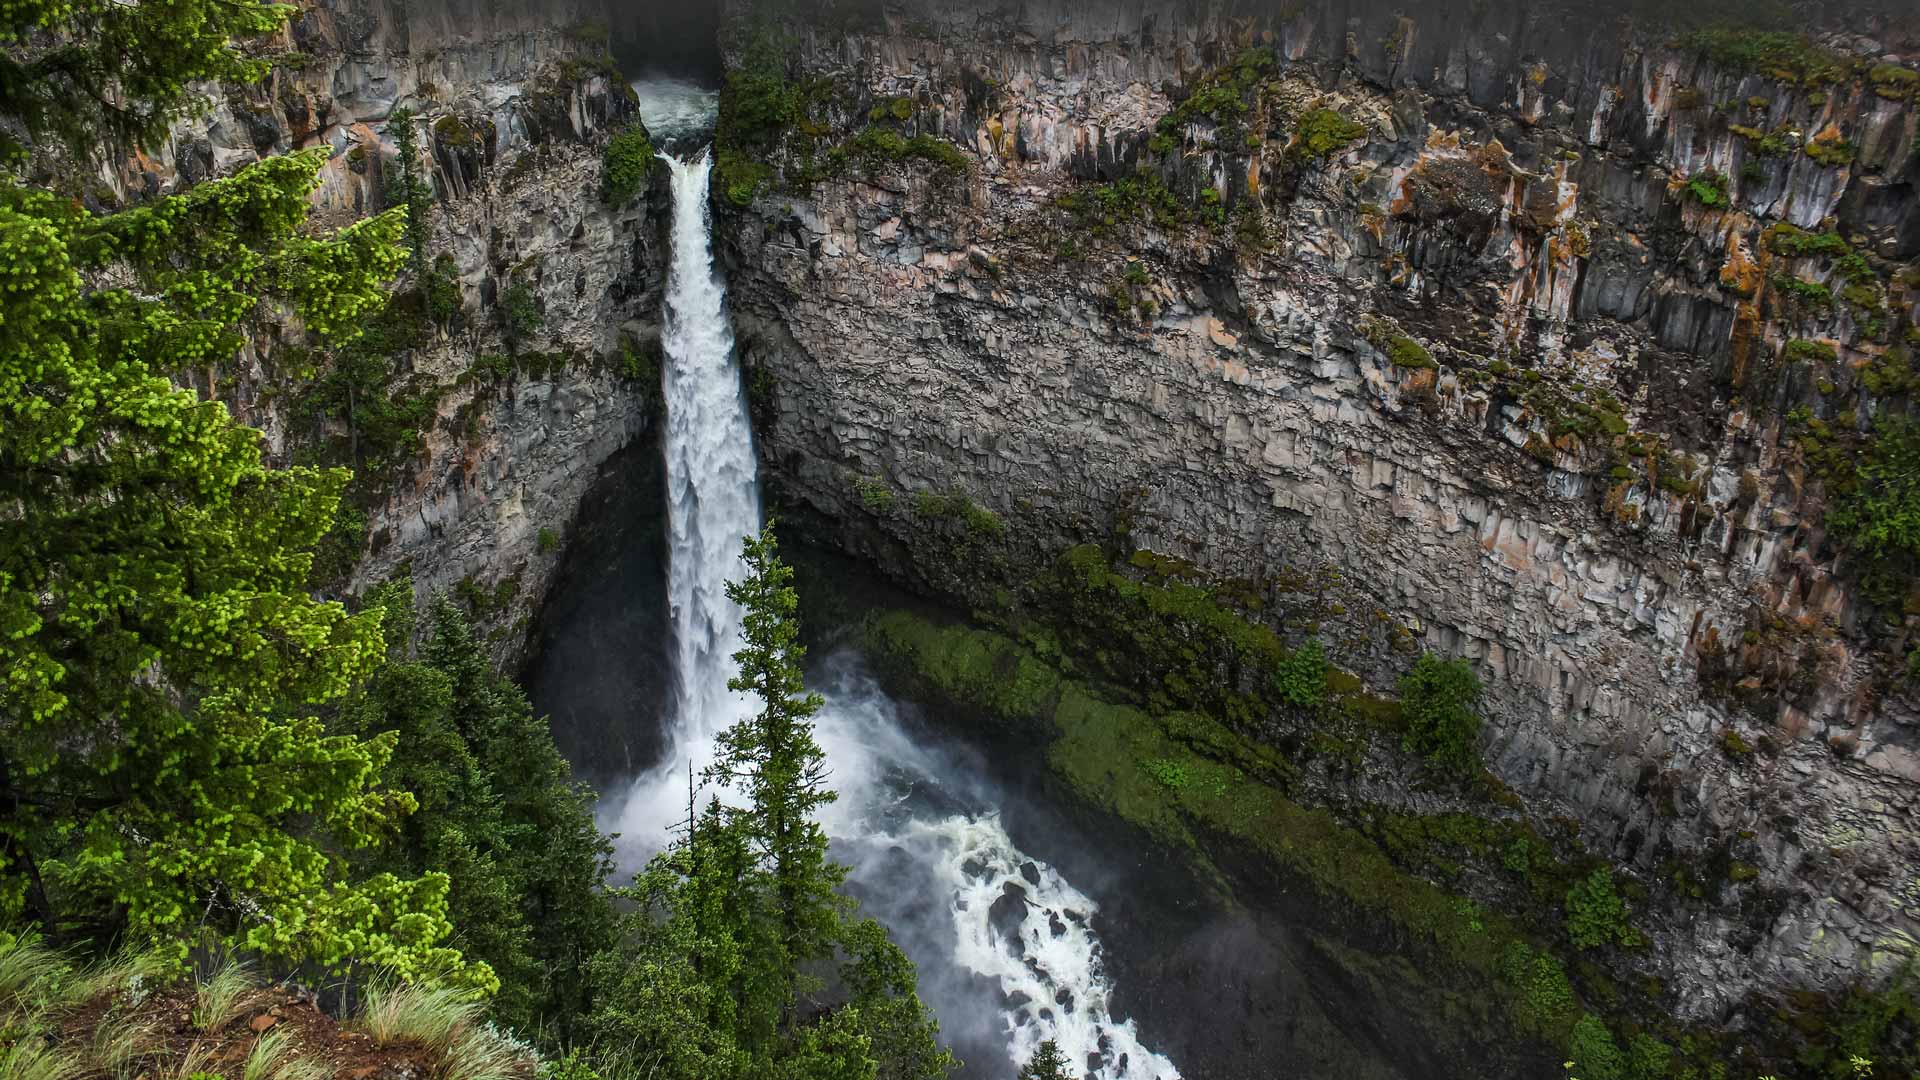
(918, 825)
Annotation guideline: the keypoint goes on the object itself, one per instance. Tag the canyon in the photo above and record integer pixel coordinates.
(1470, 330)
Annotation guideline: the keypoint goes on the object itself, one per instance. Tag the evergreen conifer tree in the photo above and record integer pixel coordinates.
(158, 647)
(716, 975)
(1047, 1063)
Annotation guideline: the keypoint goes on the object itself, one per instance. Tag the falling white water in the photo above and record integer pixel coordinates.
(995, 912)
(713, 503)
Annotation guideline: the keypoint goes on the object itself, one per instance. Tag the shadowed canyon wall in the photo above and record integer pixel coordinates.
(500, 398)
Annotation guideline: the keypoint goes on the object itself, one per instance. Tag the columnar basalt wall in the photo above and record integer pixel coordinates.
(1504, 375)
(510, 102)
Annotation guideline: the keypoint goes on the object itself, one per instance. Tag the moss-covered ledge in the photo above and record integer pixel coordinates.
(1162, 704)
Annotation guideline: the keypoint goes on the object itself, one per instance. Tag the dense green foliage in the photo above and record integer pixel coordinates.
(1300, 680)
(1437, 700)
(757, 105)
(498, 813)
(1596, 915)
(114, 72)
(1784, 55)
(364, 387)
(159, 640)
(164, 778)
(1321, 133)
(1709, 188)
(720, 971)
(1219, 99)
(626, 166)
(1594, 1054)
(1879, 513)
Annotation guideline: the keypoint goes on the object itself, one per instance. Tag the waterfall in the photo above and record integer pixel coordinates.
(999, 914)
(712, 487)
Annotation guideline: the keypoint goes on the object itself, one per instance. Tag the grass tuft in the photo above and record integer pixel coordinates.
(119, 1046)
(428, 1016)
(32, 976)
(216, 1000)
(274, 1058)
(482, 1053)
(34, 1059)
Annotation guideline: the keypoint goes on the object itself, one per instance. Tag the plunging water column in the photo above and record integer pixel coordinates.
(1000, 915)
(711, 477)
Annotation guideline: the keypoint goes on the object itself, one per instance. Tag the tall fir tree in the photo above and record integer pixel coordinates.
(1047, 1063)
(157, 644)
(718, 976)
(773, 760)
(499, 814)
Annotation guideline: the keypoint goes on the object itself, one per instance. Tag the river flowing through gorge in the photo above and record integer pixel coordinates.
(1006, 944)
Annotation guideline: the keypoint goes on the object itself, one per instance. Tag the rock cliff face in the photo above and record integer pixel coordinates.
(509, 101)
(1474, 332)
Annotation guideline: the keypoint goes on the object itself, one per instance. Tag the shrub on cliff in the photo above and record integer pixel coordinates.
(1322, 133)
(626, 164)
(1300, 679)
(1593, 1053)
(1876, 505)
(1437, 700)
(1596, 915)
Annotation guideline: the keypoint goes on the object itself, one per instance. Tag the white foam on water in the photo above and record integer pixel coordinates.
(675, 108)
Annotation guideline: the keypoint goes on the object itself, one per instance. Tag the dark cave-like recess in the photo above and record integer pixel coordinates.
(677, 39)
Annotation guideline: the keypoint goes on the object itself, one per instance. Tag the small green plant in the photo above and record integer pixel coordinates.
(639, 366)
(1437, 700)
(1831, 152)
(216, 999)
(1780, 54)
(1322, 133)
(273, 1057)
(1734, 746)
(1808, 296)
(1648, 1058)
(1796, 243)
(898, 109)
(876, 147)
(982, 521)
(1171, 773)
(1594, 1054)
(1817, 352)
(1300, 680)
(574, 1066)
(1547, 1002)
(626, 166)
(874, 493)
(1709, 188)
(440, 286)
(520, 316)
(1596, 915)
(548, 541)
(1403, 351)
(480, 1052)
